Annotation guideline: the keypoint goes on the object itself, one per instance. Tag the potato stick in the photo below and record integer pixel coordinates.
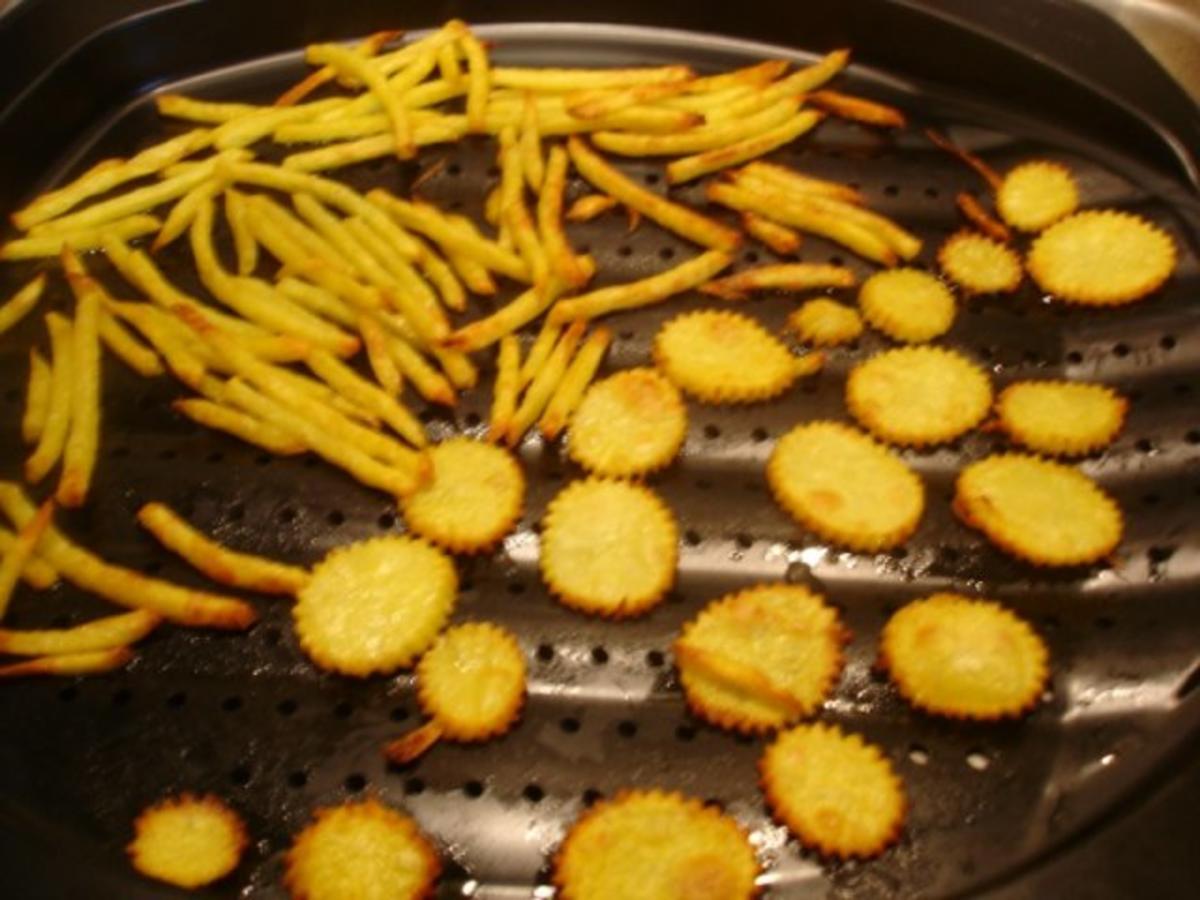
(381, 362)
(106, 633)
(673, 216)
(335, 156)
(123, 586)
(135, 226)
(244, 244)
(597, 104)
(340, 130)
(38, 573)
(240, 425)
(101, 180)
(589, 207)
(779, 238)
(517, 312)
(180, 358)
(318, 300)
(644, 292)
(698, 140)
(986, 172)
(311, 239)
(479, 80)
(692, 167)
(367, 48)
(476, 277)
(784, 277)
(342, 243)
(574, 382)
(16, 308)
(538, 352)
(246, 130)
(560, 256)
(710, 103)
(532, 163)
(553, 119)
(458, 367)
(91, 663)
(742, 677)
(514, 210)
(493, 206)
(359, 390)
(58, 419)
(425, 379)
(974, 213)
(183, 212)
(448, 65)
(585, 79)
(37, 397)
(18, 555)
(127, 348)
(224, 566)
(790, 180)
(420, 97)
(797, 213)
(504, 395)
(83, 438)
(441, 274)
(799, 82)
(177, 106)
(350, 63)
(754, 75)
(544, 383)
(857, 109)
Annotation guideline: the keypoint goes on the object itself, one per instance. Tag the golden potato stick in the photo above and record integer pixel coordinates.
(515, 212)
(538, 352)
(123, 586)
(246, 130)
(692, 167)
(857, 109)
(101, 179)
(479, 80)
(709, 103)
(798, 213)
(597, 104)
(420, 97)
(507, 386)
(224, 566)
(670, 215)
(585, 79)
(644, 292)
(413, 744)
(79, 453)
(91, 663)
(448, 65)
(303, 235)
(742, 677)
(177, 106)
(589, 207)
(244, 244)
(791, 181)
(38, 573)
(574, 382)
(549, 215)
(986, 172)
(493, 206)
(425, 379)
(184, 211)
(443, 130)
(323, 131)
(779, 238)
(359, 390)
(698, 140)
(754, 75)
(381, 362)
(18, 555)
(553, 119)
(476, 277)
(180, 358)
(452, 238)
(367, 48)
(106, 633)
(973, 211)
(458, 367)
(517, 312)
(16, 308)
(544, 384)
(58, 419)
(799, 82)
(347, 62)
(318, 300)
(783, 277)
(240, 425)
(37, 397)
(449, 288)
(532, 163)
(135, 226)
(127, 348)
(341, 243)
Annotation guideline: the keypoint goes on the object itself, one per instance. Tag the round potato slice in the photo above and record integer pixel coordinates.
(825, 323)
(188, 841)
(907, 305)
(629, 424)
(1036, 194)
(980, 265)
(1061, 418)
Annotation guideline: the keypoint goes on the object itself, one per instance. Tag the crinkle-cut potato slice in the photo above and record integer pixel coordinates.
(608, 547)
(760, 658)
(724, 357)
(966, 659)
(1036, 194)
(846, 487)
(1101, 257)
(361, 851)
(1040, 511)
(654, 845)
(823, 322)
(980, 265)
(630, 423)
(907, 305)
(917, 396)
(374, 606)
(837, 793)
(471, 682)
(1061, 418)
(473, 499)
(187, 841)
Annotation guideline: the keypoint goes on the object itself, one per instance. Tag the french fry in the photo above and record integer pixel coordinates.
(589, 207)
(673, 216)
(178, 354)
(123, 586)
(311, 239)
(474, 275)
(598, 104)
(131, 227)
(38, 573)
(127, 348)
(427, 380)
(246, 130)
(532, 162)
(698, 140)
(554, 119)
(177, 106)
(445, 130)
(575, 380)
(224, 566)
(779, 238)
(37, 397)
(709, 104)
(367, 48)
(799, 82)
(91, 663)
(448, 65)
(457, 366)
(973, 211)
(106, 633)
(348, 62)
(544, 383)
(244, 244)
(504, 396)
(19, 305)
(692, 167)
(83, 438)
(560, 257)
(635, 219)
(381, 361)
(857, 109)
(514, 211)
(519, 311)
(359, 390)
(539, 351)
(986, 172)
(754, 75)
(791, 181)
(17, 556)
(240, 425)
(493, 206)
(100, 180)
(414, 744)
(560, 80)
(58, 419)
(183, 212)
(318, 300)
(790, 277)
(643, 292)
(479, 80)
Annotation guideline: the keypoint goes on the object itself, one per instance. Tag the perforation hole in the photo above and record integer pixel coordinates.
(355, 782)
(758, 435)
(516, 587)
(1074, 357)
(627, 729)
(1159, 555)
(343, 710)
(240, 775)
(1120, 351)
(398, 714)
(545, 653)
(215, 457)
(569, 725)
(666, 254)
(335, 517)
(1144, 445)
(599, 656)
(891, 190)
(750, 256)
(297, 779)
(414, 786)
(453, 170)
(685, 733)
(231, 704)
(591, 796)
(625, 251)
(178, 700)
(1192, 437)
(287, 707)
(655, 659)
(744, 541)
(712, 432)
(1167, 342)
(651, 178)
(533, 793)
(386, 521)
(692, 538)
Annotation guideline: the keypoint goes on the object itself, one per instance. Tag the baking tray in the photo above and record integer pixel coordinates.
(248, 717)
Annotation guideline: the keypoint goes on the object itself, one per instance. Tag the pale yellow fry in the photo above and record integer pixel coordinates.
(791, 181)
(585, 79)
(17, 556)
(448, 65)
(58, 420)
(244, 244)
(458, 367)
(177, 106)
(554, 119)
(753, 75)
(19, 305)
(318, 300)
(127, 348)
(710, 103)
(476, 277)
(38, 573)
(691, 167)
(441, 274)
(444, 130)
(310, 239)
(106, 633)
(135, 226)
(177, 352)
(858, 109)
(504, 395)
(519, 311)
(91, 663)
(246, 130)
(532, 163)
(100, 180)
(574, 382)
(560, 257)
(83, 439)
(123, 586)
(539, 352)
(381, 361)
(240, 425)
(37, 397)
(239, 570)
(674, 217)
(359, 390)
(515, 211)
(347, 61)
(544, 383)
(644, 292)
(799, 82)
(779, 238)
(697, 140)
(401, 275)
(367, 48)
(323, 131)
(479, 80)
(420, 97)
(425, 379)
(184, 212)
(493, 206)
(597, 104)
(589, 207)
(782, 277)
